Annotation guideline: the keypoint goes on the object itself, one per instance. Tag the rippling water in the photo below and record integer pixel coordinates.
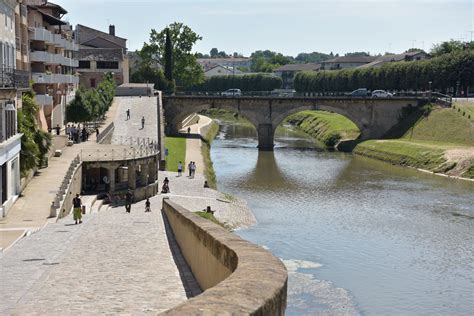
(358, 236)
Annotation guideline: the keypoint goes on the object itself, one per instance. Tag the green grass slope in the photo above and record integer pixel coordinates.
(428, 142)
(176, 152)
(327, 127)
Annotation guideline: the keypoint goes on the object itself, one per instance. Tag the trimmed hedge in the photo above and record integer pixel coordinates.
(256, 82)
(445, 72)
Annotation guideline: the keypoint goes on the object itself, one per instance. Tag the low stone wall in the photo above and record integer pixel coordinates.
(74, 188)
(237, 277)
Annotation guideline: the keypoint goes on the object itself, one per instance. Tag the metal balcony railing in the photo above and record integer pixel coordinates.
(14, 78)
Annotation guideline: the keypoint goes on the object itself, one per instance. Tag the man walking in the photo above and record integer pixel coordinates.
(143, 122)
(190, 168)
(180, 168)
(77, 209)
(128, 114)
(128, 201)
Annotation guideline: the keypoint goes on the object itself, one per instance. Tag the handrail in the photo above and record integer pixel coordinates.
(61, 194)
(105, 132)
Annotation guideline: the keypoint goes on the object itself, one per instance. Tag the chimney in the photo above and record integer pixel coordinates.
(112, 30)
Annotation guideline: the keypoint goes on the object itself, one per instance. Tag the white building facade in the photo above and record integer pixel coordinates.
(12, 81)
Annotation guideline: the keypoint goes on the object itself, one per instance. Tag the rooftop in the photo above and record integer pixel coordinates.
(300, 67)
(351, 59)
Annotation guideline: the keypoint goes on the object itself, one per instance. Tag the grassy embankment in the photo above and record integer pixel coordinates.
(176, 152)
(329, 128)
(226, 116)
(206, 154)
(441, 141)
(210, 216)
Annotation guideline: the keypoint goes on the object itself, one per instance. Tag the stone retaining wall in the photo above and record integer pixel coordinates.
(237, 277)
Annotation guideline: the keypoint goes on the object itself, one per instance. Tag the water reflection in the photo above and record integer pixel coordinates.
(389, 240)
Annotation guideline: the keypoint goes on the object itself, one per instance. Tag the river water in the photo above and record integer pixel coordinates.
(358, 236)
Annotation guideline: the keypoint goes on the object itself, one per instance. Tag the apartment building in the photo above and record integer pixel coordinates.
(52, 60)
(12, 82)
(101, 53)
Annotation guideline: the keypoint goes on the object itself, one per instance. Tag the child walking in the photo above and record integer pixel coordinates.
(147, 205)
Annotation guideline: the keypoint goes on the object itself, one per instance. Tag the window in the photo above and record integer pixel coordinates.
(84, 64)
(107, 65)
(93, 83)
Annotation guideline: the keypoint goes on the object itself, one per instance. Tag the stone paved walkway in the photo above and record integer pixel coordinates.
(112, 263)
(139, 107)
(31, 211)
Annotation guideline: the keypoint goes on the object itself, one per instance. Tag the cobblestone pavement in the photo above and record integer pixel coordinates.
(139, 107)
(31, 211)
(113, 263)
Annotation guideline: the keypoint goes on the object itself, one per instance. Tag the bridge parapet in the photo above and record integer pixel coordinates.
(373, 116)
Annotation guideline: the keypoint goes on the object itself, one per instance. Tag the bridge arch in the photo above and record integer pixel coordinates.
(174, 121)
(373, 117)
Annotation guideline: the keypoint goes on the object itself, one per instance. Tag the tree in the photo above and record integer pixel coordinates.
(314, 57)
(186, 71)
(214, 52)
(35, 143)
(450, 47)
(168, 57)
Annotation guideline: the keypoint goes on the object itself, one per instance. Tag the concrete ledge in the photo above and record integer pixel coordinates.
(237, 277)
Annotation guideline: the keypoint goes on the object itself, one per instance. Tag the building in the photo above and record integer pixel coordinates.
(390, 58)
(288, 72)
(345, 62)
(53, 64)
(12, 82)
(100, 53)
(220, 70)
(238, 62)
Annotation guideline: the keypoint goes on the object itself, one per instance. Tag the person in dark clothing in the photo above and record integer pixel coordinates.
(147, 205)
(58, 130)
(128, 114)
(128, 201)
(77, 209)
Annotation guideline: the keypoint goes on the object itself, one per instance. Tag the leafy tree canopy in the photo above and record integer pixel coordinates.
(186, 70)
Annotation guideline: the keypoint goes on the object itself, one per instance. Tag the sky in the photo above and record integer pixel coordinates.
(289, 27)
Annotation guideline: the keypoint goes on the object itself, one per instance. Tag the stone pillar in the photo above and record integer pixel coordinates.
(144, 174)
(112, 179)
(265, 137)
(132, 177)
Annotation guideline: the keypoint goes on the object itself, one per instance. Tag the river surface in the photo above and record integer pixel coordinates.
(358, 236)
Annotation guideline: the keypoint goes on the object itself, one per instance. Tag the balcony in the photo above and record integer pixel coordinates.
(43, 78)
(64, 43)
(43, 35)
(44, 99)
(11, 78)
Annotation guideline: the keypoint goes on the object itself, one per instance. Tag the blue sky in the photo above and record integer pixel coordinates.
(289, 27)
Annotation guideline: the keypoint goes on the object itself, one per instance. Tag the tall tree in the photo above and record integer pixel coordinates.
(186, 71)
(168, 57)
(214, 52)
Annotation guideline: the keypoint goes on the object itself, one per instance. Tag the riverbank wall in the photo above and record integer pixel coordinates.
(238, 278)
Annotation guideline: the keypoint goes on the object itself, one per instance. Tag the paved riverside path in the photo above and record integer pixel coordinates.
(112, 263)
(31, 211)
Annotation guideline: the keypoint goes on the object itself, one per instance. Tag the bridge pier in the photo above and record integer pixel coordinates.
(265, 137)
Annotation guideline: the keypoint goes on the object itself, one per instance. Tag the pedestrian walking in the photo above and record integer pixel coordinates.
(147, 205)
(58, 130)
(143, 122)
(165, 188)
(68, 131)
(128, 201)
(190, 166)
(193, 171)
(180, 168)
(189, 130)
(96, 132)
(128, 114)
(77, 209)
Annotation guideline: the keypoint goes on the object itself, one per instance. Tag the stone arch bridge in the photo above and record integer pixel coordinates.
(373, 116)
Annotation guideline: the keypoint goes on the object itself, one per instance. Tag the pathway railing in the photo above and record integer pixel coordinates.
(133, 141)
(118, 154)
(61, 195)
(109, 129)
